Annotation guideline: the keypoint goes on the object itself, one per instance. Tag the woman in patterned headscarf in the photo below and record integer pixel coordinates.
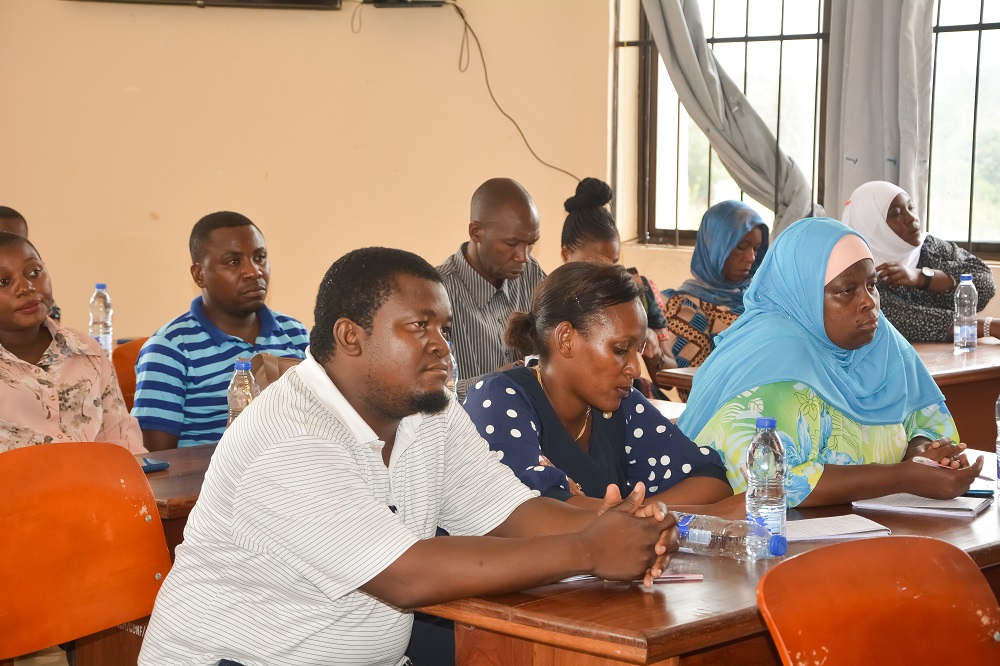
(732, 240)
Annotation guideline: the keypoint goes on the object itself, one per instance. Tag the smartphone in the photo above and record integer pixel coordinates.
(153, 465)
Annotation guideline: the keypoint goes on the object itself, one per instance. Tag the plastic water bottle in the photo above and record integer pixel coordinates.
(100, 317)
(741, 540)
(998, 443)
(452, 381)
(766, 478)
(242, 390)
(966, 302)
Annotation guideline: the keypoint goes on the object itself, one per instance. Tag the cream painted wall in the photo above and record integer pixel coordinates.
(125, 123)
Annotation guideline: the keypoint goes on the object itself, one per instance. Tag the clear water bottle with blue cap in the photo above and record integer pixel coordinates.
(242, 389)
(741, 540)
(966, 307)
(100, 317)
(766, 503)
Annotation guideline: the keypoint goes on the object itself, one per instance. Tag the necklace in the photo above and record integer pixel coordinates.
(586, 417)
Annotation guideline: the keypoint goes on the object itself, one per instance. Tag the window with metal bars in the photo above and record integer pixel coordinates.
(777, 48)
(963, 197)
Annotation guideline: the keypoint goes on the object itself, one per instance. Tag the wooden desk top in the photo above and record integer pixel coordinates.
(946, 367)
(618, 620)
(176, 488)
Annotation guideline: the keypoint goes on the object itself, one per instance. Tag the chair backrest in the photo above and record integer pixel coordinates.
(123, 357)
(888, 600)
(81, 544)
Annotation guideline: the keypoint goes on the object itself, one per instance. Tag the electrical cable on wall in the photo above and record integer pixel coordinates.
(463, 65)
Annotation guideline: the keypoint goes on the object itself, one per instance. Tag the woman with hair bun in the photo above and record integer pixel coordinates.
(590, 234)
(573, 424)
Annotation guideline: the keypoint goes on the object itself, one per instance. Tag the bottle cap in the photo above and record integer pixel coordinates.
(242, 364)
(100, 285)
(778, 545)
(767, 422)
(966, 277)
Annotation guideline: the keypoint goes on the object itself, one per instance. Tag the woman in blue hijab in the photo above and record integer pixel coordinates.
(813, 350)
(731, 244)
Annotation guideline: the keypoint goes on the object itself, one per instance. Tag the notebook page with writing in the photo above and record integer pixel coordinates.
(850, 526)
(966, 507)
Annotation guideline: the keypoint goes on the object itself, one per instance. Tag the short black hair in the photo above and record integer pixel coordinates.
(8, 213)
(355, 287)
(588, 219)
(7, 238)
(206, 225)
(578, 292)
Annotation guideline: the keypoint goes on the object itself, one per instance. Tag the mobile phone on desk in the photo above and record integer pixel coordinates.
(153, 465)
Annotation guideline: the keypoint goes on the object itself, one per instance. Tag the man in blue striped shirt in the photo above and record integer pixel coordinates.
(184, 369)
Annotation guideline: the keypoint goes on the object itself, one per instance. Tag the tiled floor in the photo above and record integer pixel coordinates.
(51, 657)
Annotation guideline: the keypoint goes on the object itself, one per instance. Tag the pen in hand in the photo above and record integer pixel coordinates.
(933, 463)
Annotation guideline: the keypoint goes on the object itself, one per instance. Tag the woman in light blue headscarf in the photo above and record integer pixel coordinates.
(731, 244)
(813, 350)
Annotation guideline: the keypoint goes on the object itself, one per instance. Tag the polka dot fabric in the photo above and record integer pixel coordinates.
(637, 444)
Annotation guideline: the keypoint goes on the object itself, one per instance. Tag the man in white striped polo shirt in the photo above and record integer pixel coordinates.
(315, 520)
(492, 275)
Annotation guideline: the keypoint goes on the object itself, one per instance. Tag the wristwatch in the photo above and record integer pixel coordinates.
(928, 276)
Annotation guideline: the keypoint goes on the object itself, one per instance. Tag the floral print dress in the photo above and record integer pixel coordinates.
(814, 434)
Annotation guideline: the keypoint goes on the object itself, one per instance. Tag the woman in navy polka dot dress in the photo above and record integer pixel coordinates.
(572, 425)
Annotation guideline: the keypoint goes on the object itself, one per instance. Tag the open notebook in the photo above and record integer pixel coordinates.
(963, 507)
(850, 526)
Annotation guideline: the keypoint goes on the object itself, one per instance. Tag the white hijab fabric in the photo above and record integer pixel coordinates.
(865, 212)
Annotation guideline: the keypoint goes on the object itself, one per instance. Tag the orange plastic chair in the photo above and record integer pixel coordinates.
(888, 600)
(123, 357)
(81, 544)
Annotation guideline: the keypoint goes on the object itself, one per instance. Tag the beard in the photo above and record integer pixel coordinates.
(429, 403)
(396, 405)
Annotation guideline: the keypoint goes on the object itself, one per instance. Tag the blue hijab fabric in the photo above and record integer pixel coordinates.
(781, 337)
(722, 228)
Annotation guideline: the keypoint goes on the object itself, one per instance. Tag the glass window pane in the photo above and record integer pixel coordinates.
(732, 59)
(697, 181)
(723, 185)
(730, 17)
(991, 12)
(959, 12)
(762, 82)
(951, 159)
(798, 102)
(986, 197)
(764, 17)
(802, 17)
(668, 143)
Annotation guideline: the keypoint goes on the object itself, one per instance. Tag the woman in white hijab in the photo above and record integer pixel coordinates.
(917, 272)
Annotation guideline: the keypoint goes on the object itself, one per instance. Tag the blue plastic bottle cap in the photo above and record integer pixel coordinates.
(966, 277)
(242, 364)
(778, 545)
(767, 422)
(100, 285)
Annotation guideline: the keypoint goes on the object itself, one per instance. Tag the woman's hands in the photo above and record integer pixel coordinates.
(943, 451)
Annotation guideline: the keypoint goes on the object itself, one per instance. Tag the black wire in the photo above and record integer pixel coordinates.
(463, 54)
(356, 18)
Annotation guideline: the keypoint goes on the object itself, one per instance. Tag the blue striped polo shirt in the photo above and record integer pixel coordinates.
(184, 369)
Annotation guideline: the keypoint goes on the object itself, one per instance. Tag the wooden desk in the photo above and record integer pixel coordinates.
(713, 622)
(970, 383)
(176, 488)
